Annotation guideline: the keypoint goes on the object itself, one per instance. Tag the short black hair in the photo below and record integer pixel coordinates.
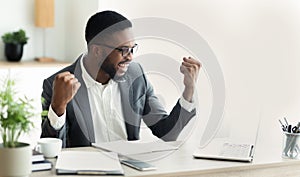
(103, 20)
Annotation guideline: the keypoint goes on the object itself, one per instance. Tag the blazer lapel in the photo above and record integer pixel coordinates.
(131, 118)
(126, 98)
(82, 106)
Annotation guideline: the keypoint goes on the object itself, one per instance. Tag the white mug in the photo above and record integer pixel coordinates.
(50, 147)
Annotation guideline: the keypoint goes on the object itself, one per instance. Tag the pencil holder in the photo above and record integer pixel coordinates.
(291, 144)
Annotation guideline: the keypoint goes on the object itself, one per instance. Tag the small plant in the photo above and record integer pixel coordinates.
(15, 114)
(16, 37)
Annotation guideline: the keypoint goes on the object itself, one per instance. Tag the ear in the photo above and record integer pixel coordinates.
(96, 51)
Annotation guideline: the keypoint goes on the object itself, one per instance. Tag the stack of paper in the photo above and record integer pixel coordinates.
(86, 162)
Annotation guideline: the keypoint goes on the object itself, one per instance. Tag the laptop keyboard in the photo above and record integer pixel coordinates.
(236, 150)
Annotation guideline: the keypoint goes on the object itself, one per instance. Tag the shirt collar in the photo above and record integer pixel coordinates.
(88, 80)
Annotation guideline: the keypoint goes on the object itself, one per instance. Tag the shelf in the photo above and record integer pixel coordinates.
(31, 63)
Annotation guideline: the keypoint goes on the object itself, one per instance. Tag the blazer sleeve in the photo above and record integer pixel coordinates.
(47, 129)
(163, 125)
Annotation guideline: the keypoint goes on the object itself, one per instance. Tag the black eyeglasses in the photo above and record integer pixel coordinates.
(124, 50)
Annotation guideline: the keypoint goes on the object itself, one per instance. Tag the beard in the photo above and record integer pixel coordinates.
(110, 69)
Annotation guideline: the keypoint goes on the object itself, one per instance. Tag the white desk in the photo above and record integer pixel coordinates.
(267, 162)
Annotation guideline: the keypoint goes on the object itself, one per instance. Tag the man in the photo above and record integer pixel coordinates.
(103, 95)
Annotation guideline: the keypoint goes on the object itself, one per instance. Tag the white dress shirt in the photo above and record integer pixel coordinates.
(106, 109)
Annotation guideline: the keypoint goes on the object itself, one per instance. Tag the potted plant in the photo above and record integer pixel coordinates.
(15, 114)
(14, 43)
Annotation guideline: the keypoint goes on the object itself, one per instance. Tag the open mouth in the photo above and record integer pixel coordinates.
(122, 68)
(123, 65)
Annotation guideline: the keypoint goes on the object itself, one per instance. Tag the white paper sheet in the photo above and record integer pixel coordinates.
(135, 147)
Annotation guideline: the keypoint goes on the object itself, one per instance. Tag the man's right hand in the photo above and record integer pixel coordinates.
(65, 86)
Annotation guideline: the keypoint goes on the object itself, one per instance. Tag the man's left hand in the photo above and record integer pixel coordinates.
(190, 69)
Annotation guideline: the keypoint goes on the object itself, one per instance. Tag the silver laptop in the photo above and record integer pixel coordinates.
(226, 150)
(230, 148)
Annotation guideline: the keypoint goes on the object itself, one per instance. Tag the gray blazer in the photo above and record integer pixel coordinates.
(138, 102)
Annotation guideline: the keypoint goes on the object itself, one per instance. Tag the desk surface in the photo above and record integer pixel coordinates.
(267, 162)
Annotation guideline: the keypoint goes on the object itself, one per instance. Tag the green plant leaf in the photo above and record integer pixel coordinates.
(16, 37)
(14, 114)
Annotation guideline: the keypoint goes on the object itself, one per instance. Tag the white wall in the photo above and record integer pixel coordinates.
(64, 42)
(16, 14)
(256, 43)
(77, 15)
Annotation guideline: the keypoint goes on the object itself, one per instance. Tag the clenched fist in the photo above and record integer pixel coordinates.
(190, 69)
(65, 86)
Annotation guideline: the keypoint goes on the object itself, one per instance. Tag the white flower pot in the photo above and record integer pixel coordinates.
(15, 162)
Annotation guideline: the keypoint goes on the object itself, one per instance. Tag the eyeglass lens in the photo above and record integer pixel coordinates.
(127, 50)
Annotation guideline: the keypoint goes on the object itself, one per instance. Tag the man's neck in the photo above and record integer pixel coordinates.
(94, 71)
(102, 77)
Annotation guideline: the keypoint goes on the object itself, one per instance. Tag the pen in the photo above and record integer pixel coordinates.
(286, 121)
(298, 125)
(289, 128)
(283, 127)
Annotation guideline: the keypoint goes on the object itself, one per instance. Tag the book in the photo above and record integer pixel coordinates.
(88, 163)
(41, 165)
(37, 156)
(39, 162)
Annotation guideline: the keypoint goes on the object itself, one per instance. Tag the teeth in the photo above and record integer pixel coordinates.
(123, 65)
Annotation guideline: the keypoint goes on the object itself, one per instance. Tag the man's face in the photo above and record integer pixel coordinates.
(117, 53)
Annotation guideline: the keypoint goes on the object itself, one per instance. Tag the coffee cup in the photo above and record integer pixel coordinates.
(50, 147)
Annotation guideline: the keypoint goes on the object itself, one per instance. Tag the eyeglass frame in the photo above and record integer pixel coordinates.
(130, 49)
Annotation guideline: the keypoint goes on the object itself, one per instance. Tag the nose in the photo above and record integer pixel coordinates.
(129, 56)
